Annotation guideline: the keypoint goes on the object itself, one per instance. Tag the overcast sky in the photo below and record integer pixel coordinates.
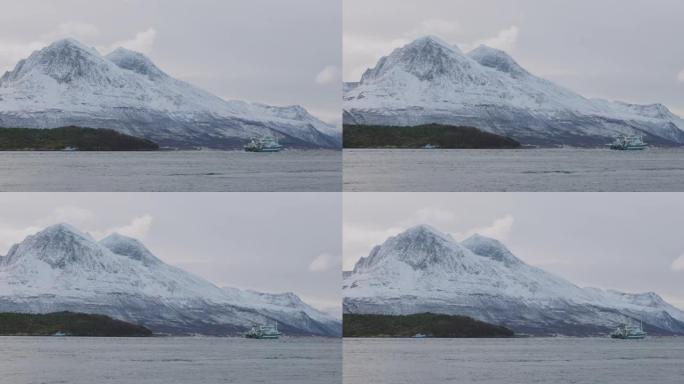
(271, 242)
(627, 241)
(614, 49)
(270, 51)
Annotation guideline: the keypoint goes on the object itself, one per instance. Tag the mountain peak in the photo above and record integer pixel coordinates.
(657, 110)
(60, 246)
(67, 61)
(647, 299)
(433, 40)
(63, 229)
(129, 247)
(286, 299)
(425, 230)
(136, 62)
(490, 248)
(429, 59)
(498, 60)
(69, 43)
(422, 247)
(290, 111)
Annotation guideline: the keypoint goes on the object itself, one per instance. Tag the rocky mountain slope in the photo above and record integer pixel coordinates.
(424, 270)
(68, 83)
(430, 81)
(63, 269)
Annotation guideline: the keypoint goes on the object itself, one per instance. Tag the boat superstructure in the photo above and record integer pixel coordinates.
(263, 332)
(263, 144)
(628, 143)
(624, 331)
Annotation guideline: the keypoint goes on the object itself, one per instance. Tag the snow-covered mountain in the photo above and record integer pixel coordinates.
(61, 268)
(431, 81)
(67, 83)
(424, 270)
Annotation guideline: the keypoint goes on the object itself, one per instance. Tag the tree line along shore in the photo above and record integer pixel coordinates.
(71, 138)
(423, 136)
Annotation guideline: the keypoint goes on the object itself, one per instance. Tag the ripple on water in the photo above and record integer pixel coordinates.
(524, 170)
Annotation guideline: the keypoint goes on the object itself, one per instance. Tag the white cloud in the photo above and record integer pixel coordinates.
(322, 262)
(505, 40)
(137, 228)
(500, 229)
(329, 75)
(678, 264)
(142, 42)
(680, 76)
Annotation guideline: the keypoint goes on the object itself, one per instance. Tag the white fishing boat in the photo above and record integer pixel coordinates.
(629, 332)
(263, 332)
(264, 144)
(628, 143)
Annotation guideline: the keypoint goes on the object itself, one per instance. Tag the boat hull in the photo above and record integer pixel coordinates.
(263, 149)
(269, 337)
(632, 337)
(628, 148)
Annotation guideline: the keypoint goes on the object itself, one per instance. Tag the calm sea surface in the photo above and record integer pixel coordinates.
(475, 170)
(316, 170)
(514, 361)
(47, 360)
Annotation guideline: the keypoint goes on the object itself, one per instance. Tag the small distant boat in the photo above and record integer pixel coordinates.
(628, 332)
(430, 146)
(628, 143)
(69, 149)
(264, 144)
(263, 332)
(419, 336)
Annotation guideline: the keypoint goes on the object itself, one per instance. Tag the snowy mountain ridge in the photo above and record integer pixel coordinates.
(61, 268)
(430, 81)
(425, 270)
(68, 83)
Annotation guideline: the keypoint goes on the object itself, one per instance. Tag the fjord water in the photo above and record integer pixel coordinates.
(170, 360)
(514, 361)
(515, 170)
(171, 171)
